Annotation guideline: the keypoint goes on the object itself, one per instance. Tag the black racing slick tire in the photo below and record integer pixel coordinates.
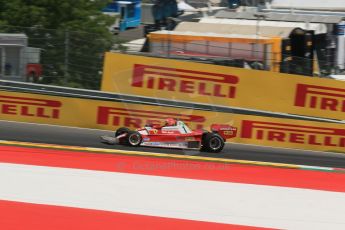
(121, 130)
(212, 142)
(133, 138)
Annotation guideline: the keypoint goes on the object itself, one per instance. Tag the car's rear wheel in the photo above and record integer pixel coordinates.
(212, 142)
(133, 138)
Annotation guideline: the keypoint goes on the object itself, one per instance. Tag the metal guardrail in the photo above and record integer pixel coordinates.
(107, 96)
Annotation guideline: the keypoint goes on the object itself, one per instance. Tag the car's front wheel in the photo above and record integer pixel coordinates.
(212, 142)
(121, 131)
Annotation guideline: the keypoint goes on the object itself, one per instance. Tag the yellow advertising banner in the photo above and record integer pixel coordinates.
(226, 86)
(87, 113)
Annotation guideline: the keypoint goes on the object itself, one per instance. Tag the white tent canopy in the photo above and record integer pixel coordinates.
(182, 5)
(228, 29)
(318, 28)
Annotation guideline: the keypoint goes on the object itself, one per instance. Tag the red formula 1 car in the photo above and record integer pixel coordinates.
(176, 134)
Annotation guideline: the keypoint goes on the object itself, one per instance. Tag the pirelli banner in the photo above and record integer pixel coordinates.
(227, 86)
(111, 115)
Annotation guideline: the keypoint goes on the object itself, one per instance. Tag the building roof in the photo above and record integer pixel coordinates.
(7, 39)
(288, 17)
(8, 35)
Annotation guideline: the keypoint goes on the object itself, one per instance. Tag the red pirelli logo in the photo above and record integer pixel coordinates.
(133, 118)
(184, 81)
(296, 134)
(30, 107)
(320, 97)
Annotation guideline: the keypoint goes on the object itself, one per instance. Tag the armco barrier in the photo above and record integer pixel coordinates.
(227, 86)
(109, 115)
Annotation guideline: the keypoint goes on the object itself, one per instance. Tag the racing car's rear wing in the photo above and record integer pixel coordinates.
(225, 131)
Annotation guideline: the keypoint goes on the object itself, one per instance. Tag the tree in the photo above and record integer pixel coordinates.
(73, 36)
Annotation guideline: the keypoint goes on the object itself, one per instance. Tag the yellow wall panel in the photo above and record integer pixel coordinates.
(226, 86)
(109, 115)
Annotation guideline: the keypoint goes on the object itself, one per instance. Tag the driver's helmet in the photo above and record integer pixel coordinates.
(170, 122)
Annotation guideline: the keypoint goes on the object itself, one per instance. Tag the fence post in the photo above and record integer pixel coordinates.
(66, 53)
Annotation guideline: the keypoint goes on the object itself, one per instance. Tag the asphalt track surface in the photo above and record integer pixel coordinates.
(38, 133)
